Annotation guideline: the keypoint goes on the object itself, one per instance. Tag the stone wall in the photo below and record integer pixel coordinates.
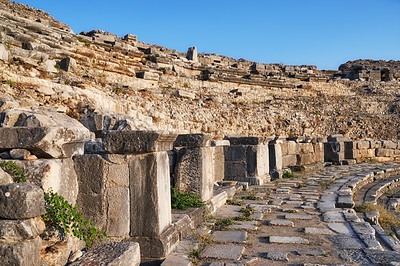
(377, 150)
(302, 151)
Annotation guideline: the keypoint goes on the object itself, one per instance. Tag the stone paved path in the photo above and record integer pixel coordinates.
(306, 219)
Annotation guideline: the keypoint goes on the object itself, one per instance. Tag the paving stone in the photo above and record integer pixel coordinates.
(341, 228)
(228, 211)
(277, 256)
(294, 202)
(283, 190)
(382, 257)
(258, 216)
(313, 252)
(340, 217)
(298, 216)
(227, 252)
(345, 242)
(260, 208)
(281, 223)
(287, 240)
(177, 259)
(230, 236)
(317, 231)
(245, 225)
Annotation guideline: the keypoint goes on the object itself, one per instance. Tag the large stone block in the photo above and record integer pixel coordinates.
(334, 151)
(246, 140)
(135, 142)
(45, 142)
(192, 140)
(194, 171)
(275, 159)
(150, 194)
(56, 174)
(21, 201)
(219, 163)
(25, 253)
(304, 159)
(306, 148)
(113, 253)
(384, 152)
(13, 231)
(103, 190)
(292, 147)
(289, 160)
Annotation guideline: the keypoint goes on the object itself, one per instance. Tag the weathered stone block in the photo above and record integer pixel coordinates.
(102, 186)
(192, 54)
(247, 140)
(21, 201)
(235, 169)
(46, 142)
(337, 138)
(292, 147)
(306, 148)
(118, 213)
(68, 64)
(235, 153)
(5, 178)
(113, 253)
(363, 144)
(148, 75)
(13, 231)
(289, 160)
(334, 151)
(150, 194)
(25, 253)
(192, 140)
(194, 171)
(218, 163)
(384, 152)
(57, 174)
(135, 142)
(275, 160)
(303, 159)
(375, 144)
(389, 144)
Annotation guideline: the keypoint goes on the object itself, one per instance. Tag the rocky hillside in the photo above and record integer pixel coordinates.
(128, 84)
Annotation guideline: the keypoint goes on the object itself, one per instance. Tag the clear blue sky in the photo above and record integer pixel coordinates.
(325, 33)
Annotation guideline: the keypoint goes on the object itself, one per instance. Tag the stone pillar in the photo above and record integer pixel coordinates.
(334, 148)
(195, 165)
(192, 54)
(149, 186)
(247, 160)
(275, 158)
(218, 147)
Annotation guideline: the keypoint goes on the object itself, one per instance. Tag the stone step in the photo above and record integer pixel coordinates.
(230, 236)
(223, 252)
(281, 223)
(287, 240)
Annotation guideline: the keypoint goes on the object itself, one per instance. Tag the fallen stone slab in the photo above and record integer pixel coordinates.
(313, 252)
(341, 228)
(45, 142)
(317, 231)
(298, 216)
(287, 240)
(245, 225)
(346, 241)
(21, 201)
(223, 252)
(281, 223)
(230, 236)
(293, 202)
(176, 259)
(113, 253)
(274, 255)
(340, 217)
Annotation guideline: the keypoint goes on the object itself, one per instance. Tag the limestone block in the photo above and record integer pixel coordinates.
(135, 142)
(49, 66)
(194, 171)
(303, 159)
(337, 138)
(319, 151)
(220, 142)
(148, 75)
(375, 144)
(235, 153)
(363, 144)
(5, 178)
(306, 147)
(246, 140)
(218, 163)
(113, 254)
(118, 214)
(275, 160)
(57, 174)
(25, 253)
(21, 201)
(4, 54)
(68, 64)
(192, 140)
(19, 153)
(284, 147)
(45, 142)
(292, 147)
(13, 231)
(384, 152)
(150, 193)
(185, 94)
(103, 191)
(192, 54)
(334, 151)
(389, 144)
(289, 160)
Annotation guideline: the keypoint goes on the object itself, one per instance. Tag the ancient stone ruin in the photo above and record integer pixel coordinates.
(113, 124)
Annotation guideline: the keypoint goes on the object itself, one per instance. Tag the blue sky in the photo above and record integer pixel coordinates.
(325, 33)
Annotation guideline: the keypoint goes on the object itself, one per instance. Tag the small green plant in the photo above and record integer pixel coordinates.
(234, 202)
(9, 82)
(222, 224)
(57, 66)
(288, 175)
(325, 184)
(16, 172)
(291, 211)
(66, 218)
(202, 241)
(251, 196)
(301, 185)
(184, 201)
(247, 211)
